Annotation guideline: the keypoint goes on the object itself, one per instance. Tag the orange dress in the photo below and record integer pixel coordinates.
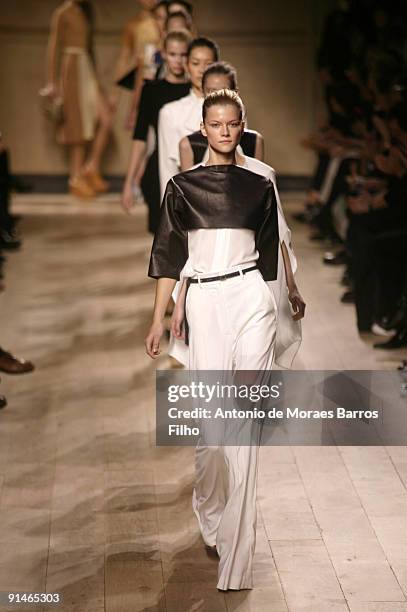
(77, 79)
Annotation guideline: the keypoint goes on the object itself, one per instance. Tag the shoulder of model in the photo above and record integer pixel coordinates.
(247, 131)
(64, 7)
(134, 22)
(172, 109)
(255, 175)
(184, 101)
(166, 110)
(180, 177)
(260, 166)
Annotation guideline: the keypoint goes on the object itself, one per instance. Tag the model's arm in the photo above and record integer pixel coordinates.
(135, 99)
(186, 154)
(138, 150)
(53, 51)
(259, 150)
(294, 295)
(168, 256)
(163, 292)
(178, 314)
(136, 156)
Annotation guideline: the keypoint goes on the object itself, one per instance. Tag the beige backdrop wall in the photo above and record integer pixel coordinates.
(271, 42)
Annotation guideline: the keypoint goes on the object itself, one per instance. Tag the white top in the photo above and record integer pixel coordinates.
(218, 250)
(176, 120)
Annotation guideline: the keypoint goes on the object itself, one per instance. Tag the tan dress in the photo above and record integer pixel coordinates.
(77, 79)
(142, 38)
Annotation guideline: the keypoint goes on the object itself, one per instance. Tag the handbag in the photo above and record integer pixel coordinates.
(52, 106)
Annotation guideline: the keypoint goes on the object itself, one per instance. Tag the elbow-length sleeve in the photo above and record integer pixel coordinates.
(267, 236)
(144, 119)
(170, 246)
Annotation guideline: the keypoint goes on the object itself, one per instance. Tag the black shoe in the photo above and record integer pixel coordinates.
(397, 318)
(348, 298)
(9, 243)
(398, 341)
(335, 259)
(3, 402)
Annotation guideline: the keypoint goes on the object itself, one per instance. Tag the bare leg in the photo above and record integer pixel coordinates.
(78, 186)
(77, 157)
(105, 115)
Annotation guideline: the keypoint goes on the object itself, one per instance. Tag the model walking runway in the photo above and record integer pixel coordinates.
(104, 516)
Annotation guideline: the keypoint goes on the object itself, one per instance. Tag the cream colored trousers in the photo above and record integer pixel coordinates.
(232, 327)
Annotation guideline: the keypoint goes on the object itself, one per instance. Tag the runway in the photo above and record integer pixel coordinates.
(92, 509)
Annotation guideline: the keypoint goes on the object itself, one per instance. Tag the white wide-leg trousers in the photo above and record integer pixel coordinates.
(232, 327)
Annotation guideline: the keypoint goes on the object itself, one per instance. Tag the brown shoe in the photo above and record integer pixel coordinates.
(79, 187)
(11, 365)
(96, 182)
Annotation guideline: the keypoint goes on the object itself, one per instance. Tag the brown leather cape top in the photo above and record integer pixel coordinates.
(219, 196)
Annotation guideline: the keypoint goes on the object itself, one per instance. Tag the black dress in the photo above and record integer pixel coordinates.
(153, 97)
(199, 144)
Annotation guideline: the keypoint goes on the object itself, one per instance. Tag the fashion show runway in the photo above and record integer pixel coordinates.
(92, 509)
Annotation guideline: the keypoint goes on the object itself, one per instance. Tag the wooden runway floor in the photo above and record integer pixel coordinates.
(92, 509)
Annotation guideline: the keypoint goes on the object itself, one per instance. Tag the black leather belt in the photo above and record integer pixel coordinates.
(208, 279)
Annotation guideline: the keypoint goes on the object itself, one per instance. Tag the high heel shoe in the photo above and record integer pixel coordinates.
(97, 183)
(79, 187)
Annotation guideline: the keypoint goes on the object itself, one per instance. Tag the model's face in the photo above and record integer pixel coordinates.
(214, 82)
(175, 8)
(160, 15)
(175, 55)
(223, 127)
(177, 23)
(198, 61)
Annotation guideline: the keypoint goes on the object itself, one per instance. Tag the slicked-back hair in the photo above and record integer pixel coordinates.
(187, 5)
(221, 68)
(223, 97)
(179, 15)
(202, 41)
(178, 35)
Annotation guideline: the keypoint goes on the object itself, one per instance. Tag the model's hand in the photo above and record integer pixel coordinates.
(177, 320)
(297, 303)
(50, 91)
(131, 118)
(152, 341)
(127, 200)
